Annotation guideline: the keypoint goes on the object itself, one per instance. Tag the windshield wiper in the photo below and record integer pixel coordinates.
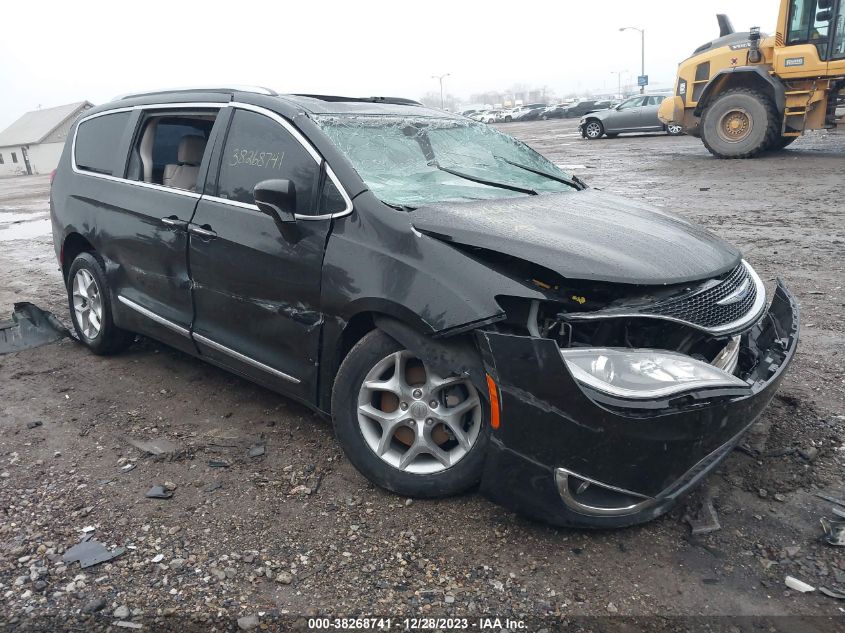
(575, 182)
(482, 181)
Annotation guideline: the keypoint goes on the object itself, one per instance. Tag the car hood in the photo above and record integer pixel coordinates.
(589, 235)
(601, 114)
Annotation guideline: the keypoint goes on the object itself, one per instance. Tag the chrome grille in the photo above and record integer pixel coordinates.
(703, 308)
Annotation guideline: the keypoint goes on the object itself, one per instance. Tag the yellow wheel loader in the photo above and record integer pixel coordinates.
(746, 93)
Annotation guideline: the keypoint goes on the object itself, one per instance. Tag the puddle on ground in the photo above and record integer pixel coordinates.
(25, 230)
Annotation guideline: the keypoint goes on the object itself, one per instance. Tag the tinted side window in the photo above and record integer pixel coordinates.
(98, 141)
(258, 148)
(331, 201)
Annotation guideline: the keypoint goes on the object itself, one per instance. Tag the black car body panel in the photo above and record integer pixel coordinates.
(589, 235)
(282, 304)
(657, 452)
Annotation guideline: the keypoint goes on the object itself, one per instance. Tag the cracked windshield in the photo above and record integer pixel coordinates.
(412, 161)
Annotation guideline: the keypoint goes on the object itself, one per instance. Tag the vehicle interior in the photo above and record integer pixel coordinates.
(169, 149)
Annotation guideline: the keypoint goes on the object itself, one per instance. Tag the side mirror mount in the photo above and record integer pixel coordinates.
(276, 198)
(824, 16)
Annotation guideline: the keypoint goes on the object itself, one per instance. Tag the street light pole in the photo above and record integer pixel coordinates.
(440, 78)
(642, 51)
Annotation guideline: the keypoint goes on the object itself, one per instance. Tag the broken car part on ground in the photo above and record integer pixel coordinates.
(465, 310)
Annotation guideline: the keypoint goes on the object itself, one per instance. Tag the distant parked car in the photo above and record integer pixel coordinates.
(492, 116)
(579, 108)
(512, 114)
(532, 111)
(554, 111)
(636, 114)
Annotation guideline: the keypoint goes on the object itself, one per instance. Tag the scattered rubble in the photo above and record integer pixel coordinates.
(157, 447)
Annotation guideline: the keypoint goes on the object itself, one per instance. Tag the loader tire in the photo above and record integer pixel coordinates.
(740, 123)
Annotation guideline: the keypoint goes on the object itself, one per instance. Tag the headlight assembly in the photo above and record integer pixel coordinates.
(643, 373)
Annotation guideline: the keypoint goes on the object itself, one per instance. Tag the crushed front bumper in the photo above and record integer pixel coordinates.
(566, 457)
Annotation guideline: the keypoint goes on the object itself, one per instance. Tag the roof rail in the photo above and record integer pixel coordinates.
(335, 98)
(230, 88)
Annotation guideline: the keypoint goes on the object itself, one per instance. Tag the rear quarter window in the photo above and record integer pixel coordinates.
(98, 143)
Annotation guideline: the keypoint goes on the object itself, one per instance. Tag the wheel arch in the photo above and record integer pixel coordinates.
(73, 244)
(458, 353)
(752, 77)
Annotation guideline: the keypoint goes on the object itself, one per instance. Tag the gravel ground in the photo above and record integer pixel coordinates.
(298, 532)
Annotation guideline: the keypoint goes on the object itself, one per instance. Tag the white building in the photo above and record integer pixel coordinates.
(33, 144)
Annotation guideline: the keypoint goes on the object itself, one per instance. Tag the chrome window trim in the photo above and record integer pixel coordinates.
(153, 316)
(306, 144)
(750, 317)
(136, 183)
(192, 194)
(242, 357)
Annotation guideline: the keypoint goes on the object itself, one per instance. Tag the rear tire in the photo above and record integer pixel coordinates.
(380, 455)
(740, 123)
(674, 130)
(89, 300)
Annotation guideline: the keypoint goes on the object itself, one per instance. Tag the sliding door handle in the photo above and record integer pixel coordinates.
(174, 222)
(204, 231)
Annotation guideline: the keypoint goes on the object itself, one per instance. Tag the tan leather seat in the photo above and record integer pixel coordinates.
(184, 174)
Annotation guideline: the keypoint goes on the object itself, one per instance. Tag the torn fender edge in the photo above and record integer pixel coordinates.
(458, 354)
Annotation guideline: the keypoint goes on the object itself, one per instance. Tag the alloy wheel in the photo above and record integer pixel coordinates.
(593, 130)
(674, 129)
(87, 304)
(414, 419)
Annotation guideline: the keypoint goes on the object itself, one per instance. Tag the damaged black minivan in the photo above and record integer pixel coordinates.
(464, 310)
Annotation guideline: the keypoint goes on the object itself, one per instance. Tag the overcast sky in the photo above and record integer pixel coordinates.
(53, 53)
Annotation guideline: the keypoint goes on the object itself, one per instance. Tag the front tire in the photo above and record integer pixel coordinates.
(740, 123)
(404, 427)
(593, 130)
(90, 305)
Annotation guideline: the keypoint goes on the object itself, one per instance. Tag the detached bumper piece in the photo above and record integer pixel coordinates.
(568, 455)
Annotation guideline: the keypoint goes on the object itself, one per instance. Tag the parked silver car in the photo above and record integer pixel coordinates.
(636, 114)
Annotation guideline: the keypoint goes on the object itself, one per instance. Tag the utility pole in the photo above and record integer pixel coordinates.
(440, 78)
(642, 51)
(618, 74)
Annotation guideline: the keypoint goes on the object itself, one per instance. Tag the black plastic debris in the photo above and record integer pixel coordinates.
(839, 502)
(218, 463)
(159, 492)
(834, 532)
(34, 424)
(90, 553)
(256, 451)
(30, 327)
(832, 593)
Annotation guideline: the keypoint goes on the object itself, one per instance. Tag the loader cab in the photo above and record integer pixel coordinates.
(813, 37)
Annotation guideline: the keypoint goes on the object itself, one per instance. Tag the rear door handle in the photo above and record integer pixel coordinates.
(203, 231)
(174, 222)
